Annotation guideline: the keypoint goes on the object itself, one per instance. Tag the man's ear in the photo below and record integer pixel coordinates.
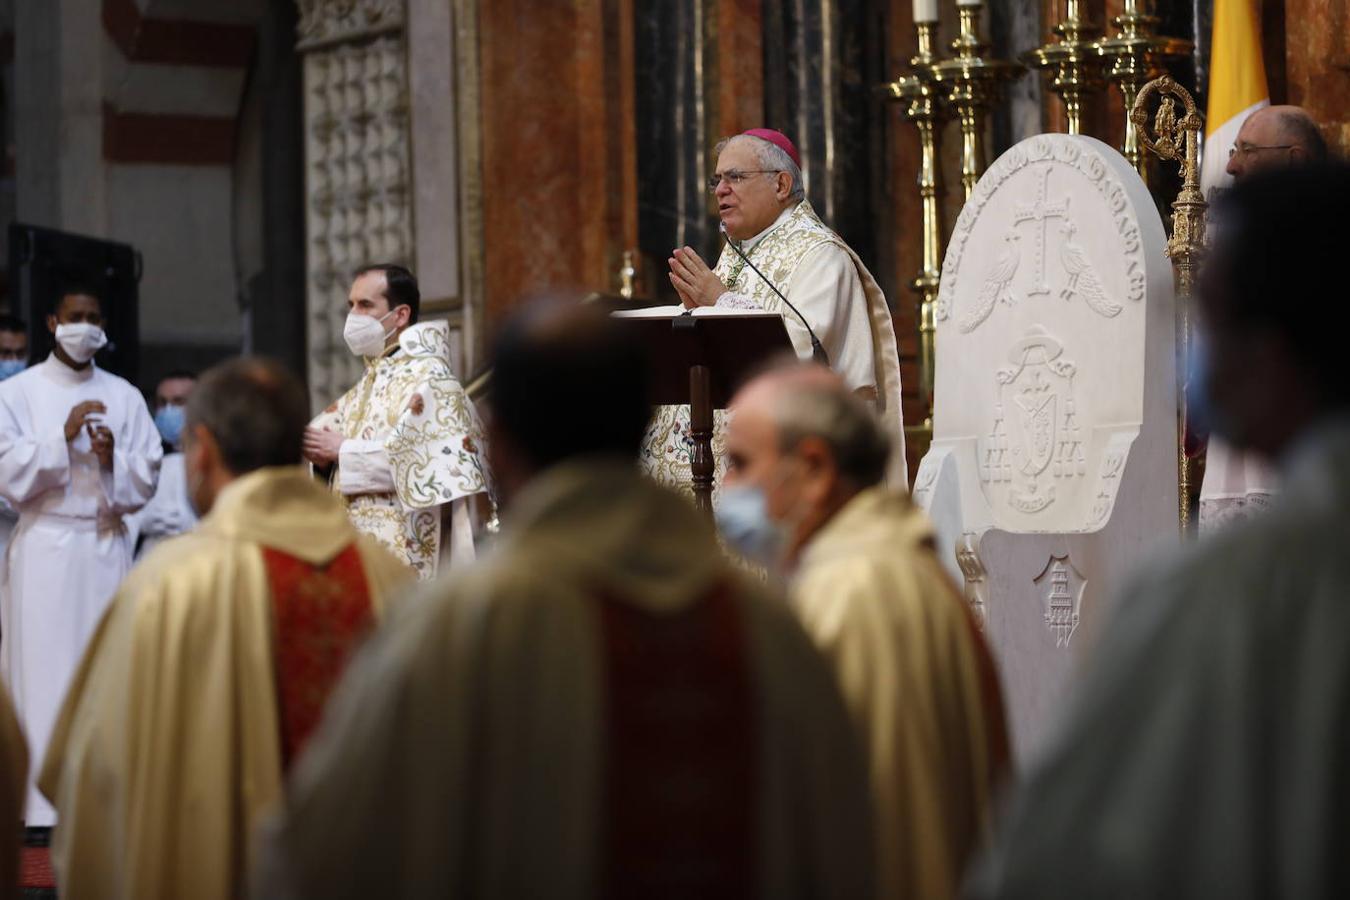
(200, 444)
(819, 471)
(403, 315)
(1298, 155)
(784, 186)
(51, 323)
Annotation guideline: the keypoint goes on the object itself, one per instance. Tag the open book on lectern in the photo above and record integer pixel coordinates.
(700, 312)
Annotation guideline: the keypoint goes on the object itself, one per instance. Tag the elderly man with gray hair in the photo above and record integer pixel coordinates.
(803, 495)
(782, 258)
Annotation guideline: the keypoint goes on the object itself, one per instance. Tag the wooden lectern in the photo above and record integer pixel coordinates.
(701, 360)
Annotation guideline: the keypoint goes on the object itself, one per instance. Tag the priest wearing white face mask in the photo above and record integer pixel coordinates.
(78, 452)
(403, 448)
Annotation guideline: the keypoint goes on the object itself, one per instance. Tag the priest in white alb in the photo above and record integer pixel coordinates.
(78, 452)
(761, 201)
(403, 448)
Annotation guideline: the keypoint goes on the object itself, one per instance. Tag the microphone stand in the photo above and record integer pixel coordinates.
(818, 353)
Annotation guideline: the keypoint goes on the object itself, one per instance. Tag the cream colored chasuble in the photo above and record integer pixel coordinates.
(831, 287)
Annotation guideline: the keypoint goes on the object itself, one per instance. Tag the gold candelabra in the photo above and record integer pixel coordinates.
(1073, 63)
(972, 83)
(922, 105)
(1177, 139)
(1133, 56)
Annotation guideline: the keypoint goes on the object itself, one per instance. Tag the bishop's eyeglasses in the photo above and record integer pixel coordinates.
(736, 177)
(1249, 149)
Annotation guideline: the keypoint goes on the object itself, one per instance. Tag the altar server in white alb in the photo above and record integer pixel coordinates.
(170, 511)
(78, 452)
(762, 203)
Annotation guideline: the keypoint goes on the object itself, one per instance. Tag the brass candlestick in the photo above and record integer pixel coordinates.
(920, 95)
(1178, 139)
(627, 275)
(972, 85)
(1135, 55)
(1073, 63)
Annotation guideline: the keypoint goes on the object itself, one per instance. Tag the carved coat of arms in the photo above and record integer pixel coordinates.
(1035, 439)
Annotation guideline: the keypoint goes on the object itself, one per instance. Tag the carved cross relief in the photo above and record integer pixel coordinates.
(1041, 212)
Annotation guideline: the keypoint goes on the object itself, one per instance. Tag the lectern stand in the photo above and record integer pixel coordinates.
(701, 359)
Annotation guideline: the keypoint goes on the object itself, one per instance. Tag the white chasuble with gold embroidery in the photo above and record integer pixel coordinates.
(414, 451)
(833, 290)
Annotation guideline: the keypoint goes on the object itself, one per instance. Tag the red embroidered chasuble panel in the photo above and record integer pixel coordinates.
(319, 616)
(680, 789)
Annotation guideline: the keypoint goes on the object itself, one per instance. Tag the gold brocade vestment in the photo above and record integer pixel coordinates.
(168, 750)
(919, 682)
(473, 751)
(780, 254)
(413, 411)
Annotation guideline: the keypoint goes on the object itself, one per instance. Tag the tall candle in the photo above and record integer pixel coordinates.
(925, 10)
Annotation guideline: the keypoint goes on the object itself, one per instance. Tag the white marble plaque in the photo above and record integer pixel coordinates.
(1055, 421)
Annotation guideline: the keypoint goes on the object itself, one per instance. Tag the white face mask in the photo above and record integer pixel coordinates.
(365, 335)
(80, 340)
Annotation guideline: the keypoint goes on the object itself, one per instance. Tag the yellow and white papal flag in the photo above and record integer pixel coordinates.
(1237, 84)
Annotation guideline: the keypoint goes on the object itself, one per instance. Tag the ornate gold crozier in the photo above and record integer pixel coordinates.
(1177, 138)
(1135, 55)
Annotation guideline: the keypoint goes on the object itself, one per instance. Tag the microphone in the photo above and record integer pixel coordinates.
(818, 353)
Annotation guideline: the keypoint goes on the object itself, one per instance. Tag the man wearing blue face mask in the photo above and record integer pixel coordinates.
(13, 346)
(169, 512)
(13, 360)
(78, 454)
(804, 493)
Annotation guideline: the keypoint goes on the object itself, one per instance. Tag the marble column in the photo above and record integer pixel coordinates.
(1317, 59)
(557, 147)
(822, 61)
(1015, 27)
(675, 58)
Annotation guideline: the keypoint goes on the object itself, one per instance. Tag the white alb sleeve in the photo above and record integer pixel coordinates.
(364, 468)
